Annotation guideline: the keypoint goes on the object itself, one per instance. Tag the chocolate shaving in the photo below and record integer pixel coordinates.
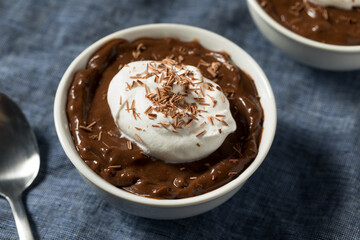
(141, 47)
(129, 145)
(88, 128)
(148, 110)
(128, 87)
(234, 160)
(112, 134)
(152, 116)
(85, 128)
(138, 137)
(325, 14)
(136, 54)
(99, 136)
(228, 65)
(225, 123)
(211, 121)
(214, 103)
(204, 104)
(144, 154)
(114, 166)
(237, 150)
(164, 125)
(140, 82)
(91, 124)
(93, 137)
(189, 121)
(223, 98)
(201, 133)
(154, 56)
(202, 93)
(127, 106)
(212, 72)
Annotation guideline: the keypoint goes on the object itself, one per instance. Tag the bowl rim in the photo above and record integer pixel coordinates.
(298, 38)
(90, 175)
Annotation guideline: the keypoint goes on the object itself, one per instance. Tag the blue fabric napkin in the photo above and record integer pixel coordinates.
(307, 188)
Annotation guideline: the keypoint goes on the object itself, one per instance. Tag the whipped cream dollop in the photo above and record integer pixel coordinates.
(169, 110)
(344, 4)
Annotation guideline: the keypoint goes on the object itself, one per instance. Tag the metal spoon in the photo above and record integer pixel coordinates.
(19, 161)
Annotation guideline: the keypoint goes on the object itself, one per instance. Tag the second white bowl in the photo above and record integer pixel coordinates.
(304, 50)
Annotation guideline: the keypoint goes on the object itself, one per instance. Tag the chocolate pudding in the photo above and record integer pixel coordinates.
(323, 24)
(121, 162)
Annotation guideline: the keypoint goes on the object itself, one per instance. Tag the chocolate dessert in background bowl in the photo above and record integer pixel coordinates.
(165, 121)
(320, 33)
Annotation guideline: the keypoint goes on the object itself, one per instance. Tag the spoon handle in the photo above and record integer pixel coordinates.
(21, 220)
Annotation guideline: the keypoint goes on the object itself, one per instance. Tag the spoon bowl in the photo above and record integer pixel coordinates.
(19, 160)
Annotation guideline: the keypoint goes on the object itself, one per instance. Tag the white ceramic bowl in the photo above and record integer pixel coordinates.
(304, 50)
(156, 208)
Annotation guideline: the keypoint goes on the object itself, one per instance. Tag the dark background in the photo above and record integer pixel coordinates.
(307, 188)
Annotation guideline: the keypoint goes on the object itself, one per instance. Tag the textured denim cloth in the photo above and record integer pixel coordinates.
(307, 188)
